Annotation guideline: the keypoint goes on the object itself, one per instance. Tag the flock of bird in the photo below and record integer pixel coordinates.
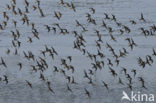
(99, 60)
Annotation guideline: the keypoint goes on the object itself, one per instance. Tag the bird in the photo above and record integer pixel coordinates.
(109, 62)
(92, 10)
(19, 43)
(20, 12)
(72, 68)
(49, 87)
(104, 24)
(8, 7)
(149, 59)
(58, 14)
(54, 30)
(18, 33)
(121, 31)
(90, 81)
(25, 55)
(26, 10)
(141, 62)
(91, 72)
(73, 81)
(4, 23)
(134, 72)
(1, 27)
(122, 54)
(106, 16)
(55, 69)
(68, 88)
(105, 85)
(142, 18)
(101, 55)
(14, 2)
(6, 79)
(70, 58)
(68, 78)
(127, 29)
(154, 52)
(4, 14)
(67, 5)
(77, 23)
(133, 22)
(29, 84)
(8, 51)
(117, 62)
(16, 52)
(113, 38)
(113, 17)
(47, 27)
(13, 43)
(41, 12)
(54, 51)
(61, 2)
(29, 40)
(114, 74)
(124, 70)
(125, 51)
(120, 81)
(142, 82)
(42, 76)
(26, 3)
(3, 63)
(87, 92)
(38, 2)
(20, 65)
(73, 7)
(34, 7)
(33, 68)
(98, 45)
(85, 74)
(35, 34)
(130, 86)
